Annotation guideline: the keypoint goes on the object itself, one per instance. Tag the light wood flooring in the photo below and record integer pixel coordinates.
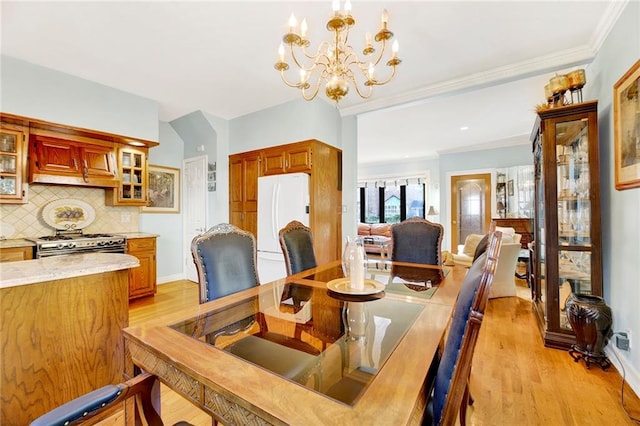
(515, 380)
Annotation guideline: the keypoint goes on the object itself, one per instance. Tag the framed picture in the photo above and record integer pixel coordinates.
(164, 190)
(510, 188)
(626, 128)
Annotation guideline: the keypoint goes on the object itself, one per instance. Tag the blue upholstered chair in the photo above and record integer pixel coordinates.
(450, 394)
(417, 240)
(225, 258)
(296, 242)
(144, 388)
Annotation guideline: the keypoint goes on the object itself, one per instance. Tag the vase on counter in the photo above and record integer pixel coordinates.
(590, 317)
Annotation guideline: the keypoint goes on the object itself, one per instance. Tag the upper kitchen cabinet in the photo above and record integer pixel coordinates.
(13, 160)
(76, 161)
(61, 154)
(134, 179)
(292, 158)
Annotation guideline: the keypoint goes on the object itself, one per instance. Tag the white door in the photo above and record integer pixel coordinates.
(195, 207)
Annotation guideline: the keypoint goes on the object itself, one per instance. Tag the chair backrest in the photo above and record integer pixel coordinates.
(225, 258)
(455, 365)
(296, 242)
(417, 240)
(85, 407)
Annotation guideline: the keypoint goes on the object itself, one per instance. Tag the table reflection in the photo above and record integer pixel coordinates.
(307, 335)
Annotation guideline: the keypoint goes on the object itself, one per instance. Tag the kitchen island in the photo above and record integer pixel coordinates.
(60, 328)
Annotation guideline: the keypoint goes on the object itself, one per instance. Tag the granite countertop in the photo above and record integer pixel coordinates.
(13, 274)
(18, 242)
(132, 235)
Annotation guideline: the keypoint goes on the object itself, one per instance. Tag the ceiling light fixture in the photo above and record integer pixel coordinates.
(336, 62)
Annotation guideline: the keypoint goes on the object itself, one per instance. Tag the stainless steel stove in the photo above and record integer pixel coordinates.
(70, 242)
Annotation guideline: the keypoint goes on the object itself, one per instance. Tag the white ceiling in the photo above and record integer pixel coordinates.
(480, 64)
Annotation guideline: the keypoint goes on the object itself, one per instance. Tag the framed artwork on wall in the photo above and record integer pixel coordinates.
(164, 190)
(626, 128)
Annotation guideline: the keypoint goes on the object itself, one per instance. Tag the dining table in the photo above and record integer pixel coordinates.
(308, 349)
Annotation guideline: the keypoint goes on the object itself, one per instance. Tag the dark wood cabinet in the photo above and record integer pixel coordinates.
(325, 191)
(522, 225)
(567, 250)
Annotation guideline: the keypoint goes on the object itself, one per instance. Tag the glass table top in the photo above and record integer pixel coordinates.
(330, 343)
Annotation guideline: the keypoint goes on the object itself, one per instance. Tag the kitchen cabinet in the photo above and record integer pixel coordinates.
(142, 280)
(293, 158)
(13, 254)
(78, 161)
(134, 178)
(244, 170)
(325, 192)
(13, 160)
(567, 250)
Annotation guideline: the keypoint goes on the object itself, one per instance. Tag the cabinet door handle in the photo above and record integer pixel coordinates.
(85, 172)
(75, 164)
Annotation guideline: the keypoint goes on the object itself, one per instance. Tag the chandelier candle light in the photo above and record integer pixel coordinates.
(336, 62)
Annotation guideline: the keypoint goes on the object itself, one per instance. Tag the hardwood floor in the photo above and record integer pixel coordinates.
(515, 380)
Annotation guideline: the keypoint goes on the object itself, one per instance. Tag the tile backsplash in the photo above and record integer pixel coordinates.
(27, 220)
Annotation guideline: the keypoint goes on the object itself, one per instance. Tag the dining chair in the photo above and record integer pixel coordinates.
(88, 408)
(296, 242)
(225, 258)
(449, 390)
(417, 240)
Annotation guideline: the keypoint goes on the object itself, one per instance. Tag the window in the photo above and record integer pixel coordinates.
(391, 201)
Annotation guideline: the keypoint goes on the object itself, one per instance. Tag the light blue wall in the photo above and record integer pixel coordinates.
(36, 92)
(620, 230)
(289, 122)
(168, 226)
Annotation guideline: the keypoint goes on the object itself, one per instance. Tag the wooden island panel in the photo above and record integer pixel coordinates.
(60, 339)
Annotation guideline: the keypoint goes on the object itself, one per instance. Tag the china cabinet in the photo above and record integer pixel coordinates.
(13, 158)
(567, 247)
(244, 170)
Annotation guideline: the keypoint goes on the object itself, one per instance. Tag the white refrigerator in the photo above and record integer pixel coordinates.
(281, 199)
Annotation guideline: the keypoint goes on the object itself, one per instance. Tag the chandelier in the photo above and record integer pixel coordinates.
(335, 62)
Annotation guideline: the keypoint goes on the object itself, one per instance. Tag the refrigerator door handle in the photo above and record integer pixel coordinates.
(274, 210)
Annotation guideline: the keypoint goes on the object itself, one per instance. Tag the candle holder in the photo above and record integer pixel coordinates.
(577, 80)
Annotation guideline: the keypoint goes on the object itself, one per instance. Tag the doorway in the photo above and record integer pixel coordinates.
(470, 206)
(195, 208)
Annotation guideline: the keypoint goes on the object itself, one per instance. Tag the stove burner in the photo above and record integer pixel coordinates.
(55, 237)
(96, 235)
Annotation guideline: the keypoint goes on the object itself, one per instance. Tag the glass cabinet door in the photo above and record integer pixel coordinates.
(574, 211)
(11, 165)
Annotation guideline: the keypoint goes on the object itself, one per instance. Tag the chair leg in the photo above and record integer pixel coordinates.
(464, 405)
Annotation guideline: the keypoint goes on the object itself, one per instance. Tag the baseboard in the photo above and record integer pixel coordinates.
(619, 359)
(170, 278)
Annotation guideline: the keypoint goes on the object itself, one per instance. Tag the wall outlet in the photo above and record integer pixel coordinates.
(623, 342)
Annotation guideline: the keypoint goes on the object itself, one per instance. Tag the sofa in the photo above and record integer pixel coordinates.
(376, 237)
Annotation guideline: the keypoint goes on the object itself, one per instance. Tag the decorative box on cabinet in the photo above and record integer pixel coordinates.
(244, 170)
(567, 254)
(13, 163)
(325, 172)
(142, 280)
(134, 178)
